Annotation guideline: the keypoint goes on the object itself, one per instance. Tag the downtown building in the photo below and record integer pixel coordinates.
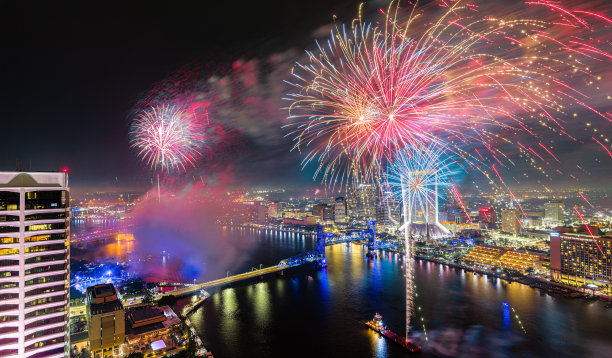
(511, 221)
(34, 264)
(581, 259)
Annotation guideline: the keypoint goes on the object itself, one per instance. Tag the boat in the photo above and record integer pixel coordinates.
(376, 324)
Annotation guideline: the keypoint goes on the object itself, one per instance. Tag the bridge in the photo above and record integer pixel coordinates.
(100, 234)
(316, 256)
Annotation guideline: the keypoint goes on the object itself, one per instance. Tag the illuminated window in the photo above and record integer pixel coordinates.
(9, 240)
(4, 252)
(45, 237)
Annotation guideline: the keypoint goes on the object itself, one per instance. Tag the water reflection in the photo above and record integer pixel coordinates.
(323, 315)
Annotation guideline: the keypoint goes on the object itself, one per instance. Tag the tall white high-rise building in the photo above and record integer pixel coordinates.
(364, 199)
(553, 211)
(34, 264)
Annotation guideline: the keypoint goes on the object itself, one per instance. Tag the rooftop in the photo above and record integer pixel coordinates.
(33, 179)
(103, 299)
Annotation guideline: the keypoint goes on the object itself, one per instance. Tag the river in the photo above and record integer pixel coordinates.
(464, 315)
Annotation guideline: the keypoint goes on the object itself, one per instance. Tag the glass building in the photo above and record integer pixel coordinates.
(34, 264)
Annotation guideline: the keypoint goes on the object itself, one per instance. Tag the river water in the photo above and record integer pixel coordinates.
(322, 315)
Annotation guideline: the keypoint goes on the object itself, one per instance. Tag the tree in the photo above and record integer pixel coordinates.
(148, 298)
(135, 355)
(169, 300)
(75, 294)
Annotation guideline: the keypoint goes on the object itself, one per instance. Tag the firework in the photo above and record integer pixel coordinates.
(473, 82)
(476, 81)
(167, 138)
(419, 176)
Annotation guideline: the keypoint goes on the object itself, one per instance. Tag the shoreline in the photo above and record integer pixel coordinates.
(546, 287)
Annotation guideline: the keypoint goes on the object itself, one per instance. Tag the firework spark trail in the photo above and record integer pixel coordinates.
(167, 139)
(458, 78)
(468, 78)
(508, 189)
(456, 193)
(603, 146)
(418, 175)
(585, 199)
(588, 229)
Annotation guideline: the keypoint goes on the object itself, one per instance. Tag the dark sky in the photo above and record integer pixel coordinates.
(71, 72)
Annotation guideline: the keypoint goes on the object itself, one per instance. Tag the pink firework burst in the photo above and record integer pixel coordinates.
(167, 138)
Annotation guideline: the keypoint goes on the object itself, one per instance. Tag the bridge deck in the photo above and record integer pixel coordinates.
(224, 281)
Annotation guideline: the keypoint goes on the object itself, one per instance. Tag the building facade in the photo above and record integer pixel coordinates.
(487, 216)
(581, 259)
(34, 264)
(340, 210)
(554, 212)
(105, 320)
(364, 199)
(511, 221)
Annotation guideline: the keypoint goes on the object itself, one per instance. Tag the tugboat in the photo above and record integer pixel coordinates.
(377, 325)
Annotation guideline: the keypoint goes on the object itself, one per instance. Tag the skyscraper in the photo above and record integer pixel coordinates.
(553, 211)
(365, 199)
(34, 264)
(275, 209)
(511, 221)
(340, 210)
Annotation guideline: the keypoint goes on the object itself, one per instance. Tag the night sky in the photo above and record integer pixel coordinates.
(72, 75)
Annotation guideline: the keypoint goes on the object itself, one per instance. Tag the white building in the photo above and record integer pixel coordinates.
(34, 264)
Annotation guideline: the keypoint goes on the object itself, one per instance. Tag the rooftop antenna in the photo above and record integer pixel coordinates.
(19, 166)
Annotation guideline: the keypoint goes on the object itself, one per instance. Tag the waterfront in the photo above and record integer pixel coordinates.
(323, 315)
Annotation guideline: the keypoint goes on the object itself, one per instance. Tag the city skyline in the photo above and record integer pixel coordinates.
(378, 178)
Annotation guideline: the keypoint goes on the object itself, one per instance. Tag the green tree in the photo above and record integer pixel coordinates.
(148, 298)
(169, 300)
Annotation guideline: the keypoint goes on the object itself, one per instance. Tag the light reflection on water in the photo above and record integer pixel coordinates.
(323, 316)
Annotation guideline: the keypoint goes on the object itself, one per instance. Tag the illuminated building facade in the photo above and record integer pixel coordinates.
(275, 209)
(581, 259)
(554, 211)
(105, 320)
(364, 199)
(487, 216)
(503, 258)
(340, 210)
(34, 264)
(511, 221)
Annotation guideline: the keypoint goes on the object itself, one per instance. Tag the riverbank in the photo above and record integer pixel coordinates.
(547, 287)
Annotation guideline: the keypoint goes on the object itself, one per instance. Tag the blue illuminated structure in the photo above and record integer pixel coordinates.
(370, 234)
(321, 238)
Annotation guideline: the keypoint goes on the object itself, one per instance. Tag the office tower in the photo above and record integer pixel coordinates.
(105, 320)
(553, 211)
(487, 216)
(340, 209)
(275, 209)
(511, 221)
(323, 212)
(34, 264)
(365, 199)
